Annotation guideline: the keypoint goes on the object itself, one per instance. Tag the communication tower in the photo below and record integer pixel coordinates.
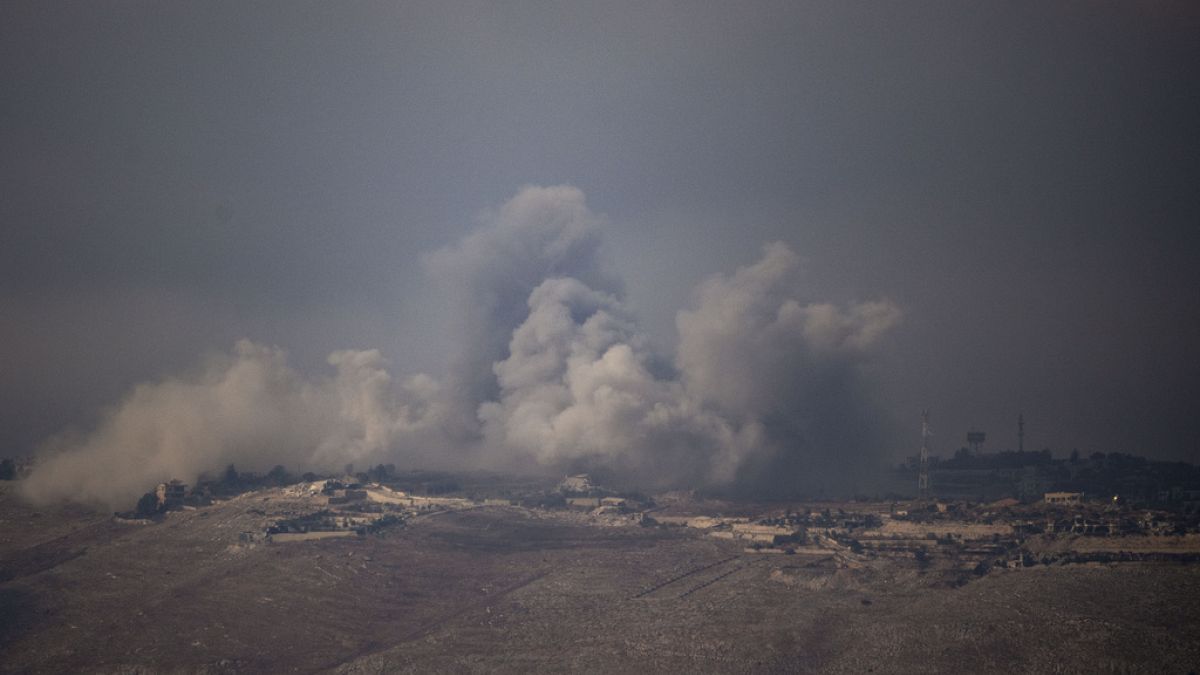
(923, 477)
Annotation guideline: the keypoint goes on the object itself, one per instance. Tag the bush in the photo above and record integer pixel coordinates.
(147, 506)
(279, 475)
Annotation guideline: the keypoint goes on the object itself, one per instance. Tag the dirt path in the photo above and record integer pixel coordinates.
(685, 575)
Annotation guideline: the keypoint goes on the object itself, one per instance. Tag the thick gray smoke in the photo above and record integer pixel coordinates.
(248, 408)
(750, 351)
(576, 391)
(541, 232)
(551, 372)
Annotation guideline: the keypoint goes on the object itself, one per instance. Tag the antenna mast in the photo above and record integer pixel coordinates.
(923, 477)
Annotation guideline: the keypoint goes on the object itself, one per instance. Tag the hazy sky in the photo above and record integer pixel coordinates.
(1019, 179)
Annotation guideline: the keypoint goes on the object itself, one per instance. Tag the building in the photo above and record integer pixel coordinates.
(763, 533)
(347, 496)
(577, 483)
(1063, 497)
(171, 495)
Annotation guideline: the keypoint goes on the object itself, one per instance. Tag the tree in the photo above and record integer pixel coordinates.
(231, 475)
(148, 505)
(279, 475)
(378, 473)
(8, 470)
(1074, 456)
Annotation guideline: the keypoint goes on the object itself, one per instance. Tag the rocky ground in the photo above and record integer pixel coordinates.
(515, 590)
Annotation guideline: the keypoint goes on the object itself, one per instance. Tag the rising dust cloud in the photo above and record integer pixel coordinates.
(552, 372)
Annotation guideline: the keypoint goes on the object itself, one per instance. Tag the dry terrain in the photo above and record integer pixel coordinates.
(517, 590)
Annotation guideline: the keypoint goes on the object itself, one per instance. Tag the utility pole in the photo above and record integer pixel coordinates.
(923, 477)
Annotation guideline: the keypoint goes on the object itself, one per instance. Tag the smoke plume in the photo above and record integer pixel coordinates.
(248, 408)
(551, 371)
(750, 351)
(576, 391)
(541, 232)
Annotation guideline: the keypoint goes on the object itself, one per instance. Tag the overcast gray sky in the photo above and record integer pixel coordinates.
(1019, 179)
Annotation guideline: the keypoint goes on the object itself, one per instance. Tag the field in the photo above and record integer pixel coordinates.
(518, 590)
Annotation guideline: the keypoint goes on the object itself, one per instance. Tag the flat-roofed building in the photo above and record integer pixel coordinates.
(580, 482)
(170, 495)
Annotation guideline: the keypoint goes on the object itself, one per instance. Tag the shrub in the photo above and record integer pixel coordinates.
(147, 506)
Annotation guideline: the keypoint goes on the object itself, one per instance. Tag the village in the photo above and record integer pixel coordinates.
(954, 540)
(396, 570)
